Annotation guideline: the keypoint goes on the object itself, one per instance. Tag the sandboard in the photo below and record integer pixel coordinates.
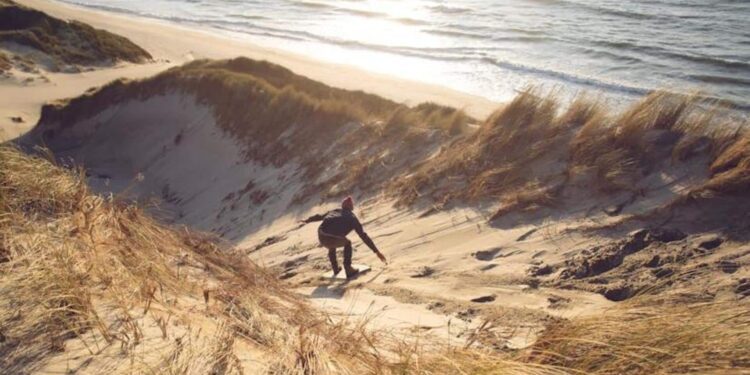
(363, 268)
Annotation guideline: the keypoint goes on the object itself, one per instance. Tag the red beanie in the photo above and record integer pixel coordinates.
(348, 203)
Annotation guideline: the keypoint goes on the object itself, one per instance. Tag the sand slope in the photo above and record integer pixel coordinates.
(183, 141)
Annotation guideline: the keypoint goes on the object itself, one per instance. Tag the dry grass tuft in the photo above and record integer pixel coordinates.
(525, 154)
(623, 149)
(4, 62)
(486, 164)
(76, 264)
(730, 171)
(651, 336)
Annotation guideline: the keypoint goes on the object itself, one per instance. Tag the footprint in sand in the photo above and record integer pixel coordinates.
(423, 272)
(488, 267)
(487, 255)
(484, 299)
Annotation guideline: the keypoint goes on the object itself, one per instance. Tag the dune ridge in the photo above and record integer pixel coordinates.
(528, 145)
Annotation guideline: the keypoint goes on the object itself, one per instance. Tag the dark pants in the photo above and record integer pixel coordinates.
(332, 242)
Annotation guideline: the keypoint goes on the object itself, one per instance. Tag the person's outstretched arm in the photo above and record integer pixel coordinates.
(368, 241)
(314, 218)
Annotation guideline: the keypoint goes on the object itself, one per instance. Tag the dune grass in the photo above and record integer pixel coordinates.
(730, 170)
(523, 156)
(4, 62)
(257, 101)
(649, 336)
(528, 151)
(74, 264)
(67, 43)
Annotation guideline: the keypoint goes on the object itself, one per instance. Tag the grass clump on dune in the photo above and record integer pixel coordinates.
(496, 158)
(77, 266)
(4, 62)
(648, 336)
(67, 43)
(528, 151)
(730, 171)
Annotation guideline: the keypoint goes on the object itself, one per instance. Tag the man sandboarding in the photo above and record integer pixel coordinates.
(332, 235)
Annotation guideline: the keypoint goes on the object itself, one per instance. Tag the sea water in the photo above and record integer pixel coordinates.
(615, 49)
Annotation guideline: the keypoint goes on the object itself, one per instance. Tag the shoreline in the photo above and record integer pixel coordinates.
(172, 45)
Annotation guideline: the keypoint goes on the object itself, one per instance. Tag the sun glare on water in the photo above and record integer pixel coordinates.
(372, 29)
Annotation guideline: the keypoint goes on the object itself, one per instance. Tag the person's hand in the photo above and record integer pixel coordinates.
(381, 257)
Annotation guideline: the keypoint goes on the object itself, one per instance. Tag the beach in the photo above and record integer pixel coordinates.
(173, 45)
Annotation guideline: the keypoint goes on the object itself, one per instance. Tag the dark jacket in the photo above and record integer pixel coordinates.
(341, 222)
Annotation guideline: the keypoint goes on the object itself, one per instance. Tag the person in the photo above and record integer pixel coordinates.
(332, 233)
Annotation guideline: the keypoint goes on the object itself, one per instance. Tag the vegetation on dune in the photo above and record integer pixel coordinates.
(4, 62)
(648, 336)
(77, 267)
(528, 151)
(67, 43)
(257, 102)
(730, 170)
(523, 156)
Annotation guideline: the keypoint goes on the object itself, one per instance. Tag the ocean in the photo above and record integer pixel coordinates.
(617, 50)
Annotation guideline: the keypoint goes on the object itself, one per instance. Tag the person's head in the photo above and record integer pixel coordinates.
(348, 204)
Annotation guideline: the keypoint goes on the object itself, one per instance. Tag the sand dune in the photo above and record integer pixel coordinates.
(32, 39)
(43, 58)
(555, 238)
(518, 239)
